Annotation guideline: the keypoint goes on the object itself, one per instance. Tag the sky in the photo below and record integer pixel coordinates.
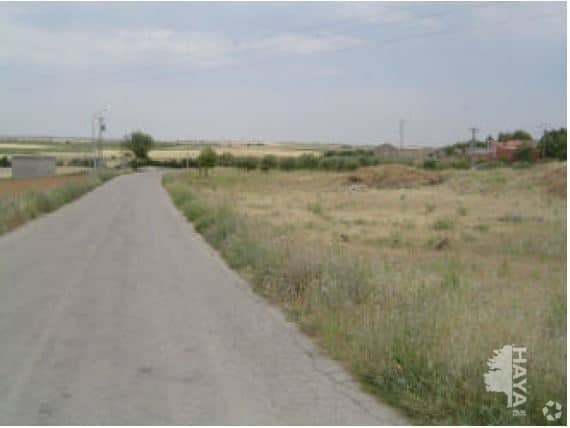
(308, 72)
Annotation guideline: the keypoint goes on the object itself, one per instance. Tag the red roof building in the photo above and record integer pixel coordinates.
(503, 150)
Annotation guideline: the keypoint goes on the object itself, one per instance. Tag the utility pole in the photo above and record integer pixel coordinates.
(474, 131)
(402, 122)
(97, 127)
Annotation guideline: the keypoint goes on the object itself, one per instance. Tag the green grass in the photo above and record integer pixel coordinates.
(20, 208)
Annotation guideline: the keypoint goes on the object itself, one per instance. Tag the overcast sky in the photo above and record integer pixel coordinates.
(331, 72)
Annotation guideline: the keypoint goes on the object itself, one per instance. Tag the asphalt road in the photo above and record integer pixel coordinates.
(114, 311)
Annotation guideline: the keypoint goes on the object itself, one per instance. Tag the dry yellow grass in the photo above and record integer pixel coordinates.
(433, 316)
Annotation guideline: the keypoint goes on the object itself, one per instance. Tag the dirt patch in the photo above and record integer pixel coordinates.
(12, 186)
(555, 181)
(394, 176)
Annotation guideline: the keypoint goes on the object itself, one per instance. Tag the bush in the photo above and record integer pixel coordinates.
(287, 163)
(226, 159)
(307, 161)
(328, 163)
(431, 164)
(247, 163)
(5, 162)
(461, 164)
(268, 162)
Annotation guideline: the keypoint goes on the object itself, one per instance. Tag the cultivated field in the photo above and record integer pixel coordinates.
(412, 288)
(112, 150)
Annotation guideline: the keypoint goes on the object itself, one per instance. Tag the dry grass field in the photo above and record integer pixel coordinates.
(410, 278)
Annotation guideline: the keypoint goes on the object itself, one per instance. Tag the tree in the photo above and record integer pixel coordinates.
(553, 144)
(519, 134)
(207, 159)
(139, 143)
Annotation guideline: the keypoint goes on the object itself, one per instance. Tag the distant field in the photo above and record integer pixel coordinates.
(112, 150)
(413, 288)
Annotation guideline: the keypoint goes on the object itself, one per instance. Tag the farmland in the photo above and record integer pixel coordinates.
(68, 150)
(410, 278)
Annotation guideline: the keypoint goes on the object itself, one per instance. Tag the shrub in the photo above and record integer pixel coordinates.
(461, 164)
(247, 163)
(5, 162)
(287, 163)
(268, 162)
(307, 161)
(431, 164)
(226, 159)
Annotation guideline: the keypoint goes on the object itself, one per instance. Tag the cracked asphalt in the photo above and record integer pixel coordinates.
(114, 311)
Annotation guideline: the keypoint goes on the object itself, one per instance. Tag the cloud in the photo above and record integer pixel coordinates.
(375, 13)
(166, 46)
(78, 48)
(302, 44)
(527, 21)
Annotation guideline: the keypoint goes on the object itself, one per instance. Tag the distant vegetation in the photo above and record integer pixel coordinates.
(207, 160)
(139, 144)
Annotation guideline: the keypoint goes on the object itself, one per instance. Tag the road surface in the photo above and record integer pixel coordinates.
(114, 311)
